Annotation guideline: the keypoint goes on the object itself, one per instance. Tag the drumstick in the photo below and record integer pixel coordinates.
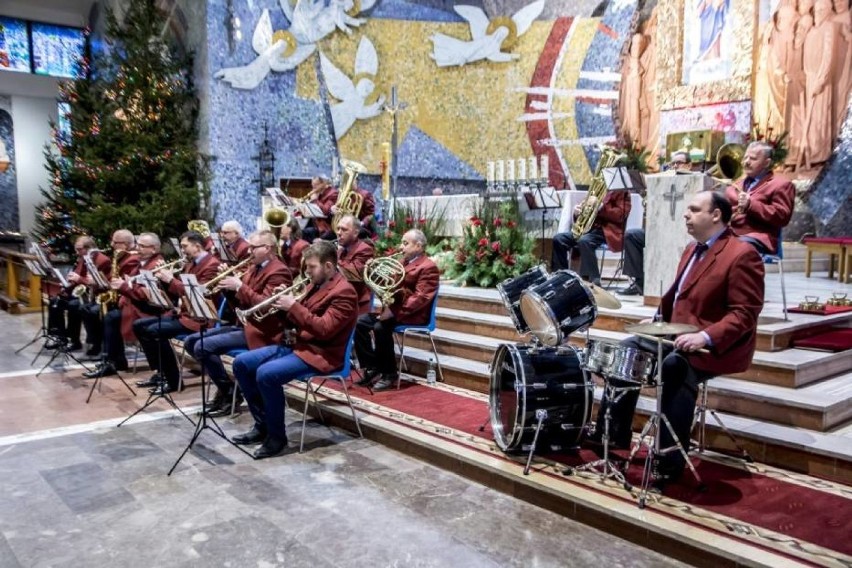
(669, 342)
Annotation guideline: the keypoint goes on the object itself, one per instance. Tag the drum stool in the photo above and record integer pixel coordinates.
(700, 423)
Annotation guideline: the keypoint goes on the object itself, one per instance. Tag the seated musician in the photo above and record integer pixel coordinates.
(324, 317)
(154, 333)
(762, 200)
(324, 196)
(292, 246)
(367, 214)
(412, 304)
(352, 255)
(125, 263)
(232, 237)
(265, 273)
(719, 290)
(72, 300)
(608, 228)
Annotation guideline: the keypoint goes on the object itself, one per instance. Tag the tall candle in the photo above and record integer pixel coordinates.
(490, 176)
(533, 164)
(545, 168)
(522, 169)
(510, 170)
(500, 167)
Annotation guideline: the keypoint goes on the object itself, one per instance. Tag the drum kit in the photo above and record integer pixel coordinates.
(541, 393)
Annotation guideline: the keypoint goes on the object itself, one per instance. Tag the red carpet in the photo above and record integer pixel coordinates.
(788, 508)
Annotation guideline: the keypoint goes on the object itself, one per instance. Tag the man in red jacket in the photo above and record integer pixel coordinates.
(412, 304)
(232, 238)
(352, 255)
(266, 274)
(608, 228)
(719, 290)
(324, 317)
(324, 196)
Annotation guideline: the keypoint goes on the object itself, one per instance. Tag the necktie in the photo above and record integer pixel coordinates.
(696, 256)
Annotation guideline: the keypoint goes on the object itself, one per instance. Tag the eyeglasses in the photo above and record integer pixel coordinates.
(680, 163)
(254, 247)
(140, 245)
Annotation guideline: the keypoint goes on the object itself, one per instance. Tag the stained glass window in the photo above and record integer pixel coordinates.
(56, 49)
(14, 45)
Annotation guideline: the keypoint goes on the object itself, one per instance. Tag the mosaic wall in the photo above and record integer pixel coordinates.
(554, 96)
(830, 200)
(9, 220)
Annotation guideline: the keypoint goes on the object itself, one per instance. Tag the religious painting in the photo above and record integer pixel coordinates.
(706, 41)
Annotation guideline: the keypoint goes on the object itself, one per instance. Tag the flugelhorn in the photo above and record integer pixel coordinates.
(172, 266)
(211, 286)
(266, 308)
(383, 275)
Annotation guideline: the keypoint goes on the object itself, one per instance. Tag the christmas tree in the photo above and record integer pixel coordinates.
(130, 160)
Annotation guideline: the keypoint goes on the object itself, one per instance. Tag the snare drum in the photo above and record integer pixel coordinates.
(615, 361)
(511, 290)
(557, 307)
(525, 379)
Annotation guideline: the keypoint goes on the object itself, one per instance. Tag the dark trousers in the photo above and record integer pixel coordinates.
(56, 311)
(374, 343)
(113, 341)
(680, 392)
(563, 246)
(153, 335)
(217, 342)
(634, 256)
(262, 374)
(91, 314)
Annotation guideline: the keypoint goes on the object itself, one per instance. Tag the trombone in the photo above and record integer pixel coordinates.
(266, 308)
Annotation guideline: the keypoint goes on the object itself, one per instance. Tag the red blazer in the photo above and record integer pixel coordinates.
(258, 286)
(413, 301)
(204, 271)
(612, 217)
(723, 296)
(291, 254)
(102, 262)
(368, 207)
(325, 319)
(132, 301)
(769, 210)
(325, 200)
(239, 249)
(351, 264)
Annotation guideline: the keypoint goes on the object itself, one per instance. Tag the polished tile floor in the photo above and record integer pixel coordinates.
(77, 491)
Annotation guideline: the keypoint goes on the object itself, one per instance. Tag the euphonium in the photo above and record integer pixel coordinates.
(349, 201)
(383, 275)
(211, 286)
(266, 308)
(729, 160)
(199, 226)
(597, 190)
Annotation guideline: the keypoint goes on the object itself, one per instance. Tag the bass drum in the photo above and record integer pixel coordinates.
(525, 379)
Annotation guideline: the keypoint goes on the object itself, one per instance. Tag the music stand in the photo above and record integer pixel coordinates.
(542, 198)
(223, 249)
(201, 310)
(36, 268)
(158, 299)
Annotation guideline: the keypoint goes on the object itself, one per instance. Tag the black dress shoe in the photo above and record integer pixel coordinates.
(387, 381)
(271, 447)
(632, 290)
(163, 388)
(253, 436)
(369, 376)
(73, 347)
(54, 344)
(103, 370)
(155, 380)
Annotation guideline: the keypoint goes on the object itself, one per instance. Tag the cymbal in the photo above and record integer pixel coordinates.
(660, 328)
(604, 299)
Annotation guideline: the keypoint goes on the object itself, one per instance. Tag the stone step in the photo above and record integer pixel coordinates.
(476, 336)
(817, 407)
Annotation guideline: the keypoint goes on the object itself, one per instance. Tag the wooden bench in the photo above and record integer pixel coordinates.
(20, 290)
(836, 248)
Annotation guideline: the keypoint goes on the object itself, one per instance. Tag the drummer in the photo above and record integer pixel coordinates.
(718, 291)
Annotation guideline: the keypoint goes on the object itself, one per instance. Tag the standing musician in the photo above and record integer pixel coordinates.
(154, 333)
(608, 228)
(323, 195)
(762, 201)
(412, 305)
(103, 321)
(324, 317)
(292, 245)
(719, 290)
(352, 255)
(264, 275)
(71, 301)
(232, 238)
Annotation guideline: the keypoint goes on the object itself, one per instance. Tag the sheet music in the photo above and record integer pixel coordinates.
(61, 277)
(224, 250)
(100, 281)
(617, 178)
(310, 210)
(34, 267)
(41, 258)
(544, 198)
(175, 244)
(156, 296)
(196, 303)
(279, 198)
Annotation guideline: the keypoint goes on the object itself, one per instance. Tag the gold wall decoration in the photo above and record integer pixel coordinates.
(671, 92)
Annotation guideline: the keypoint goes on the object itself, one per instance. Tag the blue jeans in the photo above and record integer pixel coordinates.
(262, 374)
(217, 342)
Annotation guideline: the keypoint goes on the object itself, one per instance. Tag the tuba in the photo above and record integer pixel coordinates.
(383, 275)
(729, 164)
(597, 191)
(349, 201)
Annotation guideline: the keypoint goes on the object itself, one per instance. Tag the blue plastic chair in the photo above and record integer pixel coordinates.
(233, 354)
(427, 328)
(341, 375)
(778, 258)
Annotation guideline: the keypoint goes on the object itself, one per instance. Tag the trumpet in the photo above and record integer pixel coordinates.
(266, 308)
(172, 266)
(211, 286)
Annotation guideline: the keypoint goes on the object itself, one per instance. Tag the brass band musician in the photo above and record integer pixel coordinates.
(352, 255)
(324, 196)
(292, 245)
(232, 238)
(324, 317)
(264, 275)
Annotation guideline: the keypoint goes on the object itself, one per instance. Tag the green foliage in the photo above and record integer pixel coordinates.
(131, 159)
(403, 218)
(493, 247)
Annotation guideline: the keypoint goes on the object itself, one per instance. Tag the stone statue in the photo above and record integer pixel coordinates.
(631, 90)
(796, 87)
(777, 64)
(817, 59)
(648, 111)
(843, 55)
